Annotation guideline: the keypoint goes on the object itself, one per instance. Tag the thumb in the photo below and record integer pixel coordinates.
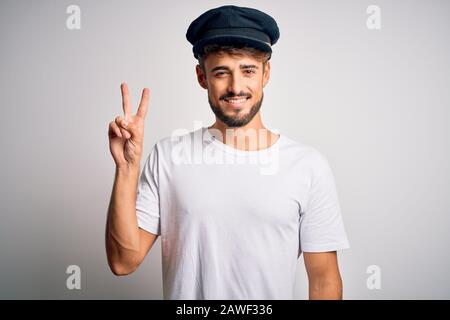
(134, 130)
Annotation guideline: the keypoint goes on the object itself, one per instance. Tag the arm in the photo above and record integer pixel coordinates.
(324, 279)
(126, 244)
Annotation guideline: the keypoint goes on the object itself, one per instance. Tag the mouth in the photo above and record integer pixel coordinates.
(236, 102)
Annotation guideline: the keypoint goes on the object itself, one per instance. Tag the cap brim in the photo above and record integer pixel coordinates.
(231, 40)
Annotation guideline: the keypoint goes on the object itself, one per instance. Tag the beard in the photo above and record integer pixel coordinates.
(236, 120)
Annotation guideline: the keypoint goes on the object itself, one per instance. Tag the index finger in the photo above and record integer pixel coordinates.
(125, 100)
(143, 105)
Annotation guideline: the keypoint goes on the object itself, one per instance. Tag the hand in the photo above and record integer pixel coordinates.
(126, 133)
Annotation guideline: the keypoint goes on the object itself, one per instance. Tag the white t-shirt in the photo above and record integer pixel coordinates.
(233, 223)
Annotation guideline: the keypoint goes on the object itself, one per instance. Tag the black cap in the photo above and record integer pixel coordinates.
(230, 25)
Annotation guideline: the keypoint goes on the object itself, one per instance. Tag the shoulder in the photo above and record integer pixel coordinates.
(177, 137)
(177, 140)
(310, 156)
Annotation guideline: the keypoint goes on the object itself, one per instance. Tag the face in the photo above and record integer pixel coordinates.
(235, 86)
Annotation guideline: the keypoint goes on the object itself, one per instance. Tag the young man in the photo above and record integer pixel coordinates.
(235, 203)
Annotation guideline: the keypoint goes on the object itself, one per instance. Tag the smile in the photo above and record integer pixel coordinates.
(236, 102)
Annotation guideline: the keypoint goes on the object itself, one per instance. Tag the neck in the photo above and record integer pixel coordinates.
(253, 136)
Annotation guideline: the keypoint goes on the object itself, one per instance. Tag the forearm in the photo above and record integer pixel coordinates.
(122, 232)
(325, 289)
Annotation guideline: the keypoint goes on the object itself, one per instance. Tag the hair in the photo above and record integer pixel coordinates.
(259, 55)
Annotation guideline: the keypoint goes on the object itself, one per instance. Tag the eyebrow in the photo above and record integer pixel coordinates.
(242, 66)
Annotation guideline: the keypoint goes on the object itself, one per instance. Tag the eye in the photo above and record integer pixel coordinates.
(250, 71)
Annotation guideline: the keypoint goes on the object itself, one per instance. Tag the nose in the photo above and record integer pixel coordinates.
(236, 84)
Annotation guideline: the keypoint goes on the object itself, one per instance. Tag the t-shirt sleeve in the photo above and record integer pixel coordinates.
(147, 199)
(321, 224)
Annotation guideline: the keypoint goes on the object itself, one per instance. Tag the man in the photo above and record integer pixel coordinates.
(229, 228)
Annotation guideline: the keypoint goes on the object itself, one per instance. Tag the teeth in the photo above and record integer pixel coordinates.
(236, 100)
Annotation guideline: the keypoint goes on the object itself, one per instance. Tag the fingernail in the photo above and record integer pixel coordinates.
(125, 123)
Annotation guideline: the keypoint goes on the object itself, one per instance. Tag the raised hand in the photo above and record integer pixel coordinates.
(126, 133)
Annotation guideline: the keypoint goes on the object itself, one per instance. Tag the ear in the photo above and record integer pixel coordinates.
(201, 77)
(266, 74)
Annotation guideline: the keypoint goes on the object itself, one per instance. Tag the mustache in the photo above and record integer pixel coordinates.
(230, 95)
